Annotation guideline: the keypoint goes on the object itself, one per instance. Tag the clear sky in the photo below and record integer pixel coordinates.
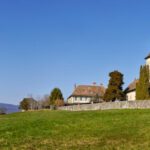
(57, 43)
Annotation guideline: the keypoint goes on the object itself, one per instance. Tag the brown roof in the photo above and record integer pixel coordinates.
(132, 86)
(148, 56)
(88, 90)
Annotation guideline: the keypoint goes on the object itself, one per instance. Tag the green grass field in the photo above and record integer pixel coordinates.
(54, 130)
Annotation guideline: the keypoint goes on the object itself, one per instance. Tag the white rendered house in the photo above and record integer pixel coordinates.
(131, 91)
(84, 94)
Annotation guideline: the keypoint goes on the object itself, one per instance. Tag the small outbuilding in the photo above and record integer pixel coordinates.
(131, 91)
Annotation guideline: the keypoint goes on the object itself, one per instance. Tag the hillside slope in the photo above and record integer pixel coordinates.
(112, 129)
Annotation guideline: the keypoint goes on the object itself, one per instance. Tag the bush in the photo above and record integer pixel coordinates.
(3, 111)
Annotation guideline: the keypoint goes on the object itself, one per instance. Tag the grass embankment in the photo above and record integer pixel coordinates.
(113, 129)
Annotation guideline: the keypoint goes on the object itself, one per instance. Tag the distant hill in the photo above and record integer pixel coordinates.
(9, 107)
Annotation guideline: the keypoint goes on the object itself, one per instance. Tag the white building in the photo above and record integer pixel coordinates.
(84, 94)
(131, 89)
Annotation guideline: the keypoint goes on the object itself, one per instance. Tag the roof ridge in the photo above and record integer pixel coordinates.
(148, 56)
(91, 85)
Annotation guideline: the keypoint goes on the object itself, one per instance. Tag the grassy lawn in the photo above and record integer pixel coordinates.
(54, 130)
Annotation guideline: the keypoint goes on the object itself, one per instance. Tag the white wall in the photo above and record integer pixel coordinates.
(131, 96)
(148, 61)
(142, 104)
(70, 100)
(77, 100)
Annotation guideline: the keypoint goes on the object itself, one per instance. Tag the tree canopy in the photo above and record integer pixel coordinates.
(28, 103)
(143, 85)
(56, 94)
(115, 90)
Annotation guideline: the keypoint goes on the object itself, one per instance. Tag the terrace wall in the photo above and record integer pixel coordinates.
(138, 104)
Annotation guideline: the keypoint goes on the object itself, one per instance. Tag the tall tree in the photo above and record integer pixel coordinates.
(115, 90)
(28, 103)
(56, 94)
(24, 104)
(143, 85)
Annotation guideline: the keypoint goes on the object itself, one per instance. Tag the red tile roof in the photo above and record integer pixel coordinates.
(89, 90)
(132, 86)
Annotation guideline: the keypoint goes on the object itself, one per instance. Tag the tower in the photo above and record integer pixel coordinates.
(147, 58)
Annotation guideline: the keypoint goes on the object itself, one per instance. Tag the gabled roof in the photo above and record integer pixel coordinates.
(148, 56)
(132, 86)
(88, 90)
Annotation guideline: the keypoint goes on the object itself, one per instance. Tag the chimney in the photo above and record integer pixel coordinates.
(75, 86)
(101, 84)
(94, 83)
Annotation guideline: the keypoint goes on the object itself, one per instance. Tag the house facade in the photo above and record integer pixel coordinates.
(131, 89)
(84, 94)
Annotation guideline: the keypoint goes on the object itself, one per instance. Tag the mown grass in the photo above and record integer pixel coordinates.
(58, 130)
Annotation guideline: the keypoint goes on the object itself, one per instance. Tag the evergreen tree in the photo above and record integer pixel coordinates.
(143, 86)
(138, 85)
(114, 90)
(24, 104)
(56, 94)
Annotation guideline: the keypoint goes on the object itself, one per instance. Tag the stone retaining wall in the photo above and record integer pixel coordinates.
(138, 104)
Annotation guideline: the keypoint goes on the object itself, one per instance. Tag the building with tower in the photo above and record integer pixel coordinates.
(148, 60)
(131, 89)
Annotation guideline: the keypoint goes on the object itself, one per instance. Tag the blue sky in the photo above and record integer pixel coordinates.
(57, 43)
